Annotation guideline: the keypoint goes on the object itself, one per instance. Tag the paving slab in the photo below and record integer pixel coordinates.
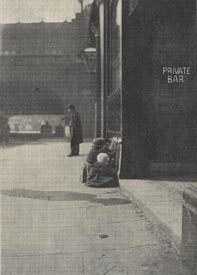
(133, 261)
(162, 201)
(43, 264)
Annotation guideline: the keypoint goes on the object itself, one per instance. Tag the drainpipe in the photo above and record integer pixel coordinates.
(104, 49)
(106, 64)
(102, 70)
(97, 115)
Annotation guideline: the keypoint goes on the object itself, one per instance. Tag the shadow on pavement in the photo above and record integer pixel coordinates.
(22, 139)
(62, 196)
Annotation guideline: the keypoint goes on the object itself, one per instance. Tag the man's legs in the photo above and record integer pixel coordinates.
(74, 148)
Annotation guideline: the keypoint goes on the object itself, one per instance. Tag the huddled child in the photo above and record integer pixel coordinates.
(100, 146)
(101, 174)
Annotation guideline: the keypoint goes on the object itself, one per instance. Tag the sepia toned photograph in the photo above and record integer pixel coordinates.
(98, 137)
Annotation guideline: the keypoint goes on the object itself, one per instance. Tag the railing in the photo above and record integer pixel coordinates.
(114, 134)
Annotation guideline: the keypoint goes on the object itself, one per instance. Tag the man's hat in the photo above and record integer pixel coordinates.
(71, 106)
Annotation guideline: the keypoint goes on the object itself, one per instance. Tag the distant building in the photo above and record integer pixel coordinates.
(41, 72)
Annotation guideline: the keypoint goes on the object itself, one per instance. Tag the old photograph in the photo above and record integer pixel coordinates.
(98, 137)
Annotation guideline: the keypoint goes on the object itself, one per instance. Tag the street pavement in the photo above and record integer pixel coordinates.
(52, 224)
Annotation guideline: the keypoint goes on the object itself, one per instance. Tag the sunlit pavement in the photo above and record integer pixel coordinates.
(52, 224)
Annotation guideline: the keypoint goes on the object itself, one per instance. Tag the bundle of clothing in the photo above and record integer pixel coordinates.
(99, 169)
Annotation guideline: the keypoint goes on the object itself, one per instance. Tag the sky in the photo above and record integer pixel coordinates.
(32, 11)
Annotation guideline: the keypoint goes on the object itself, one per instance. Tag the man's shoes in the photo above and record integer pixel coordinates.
(72, 155)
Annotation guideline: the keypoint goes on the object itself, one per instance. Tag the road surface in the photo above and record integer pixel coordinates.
(52, 224)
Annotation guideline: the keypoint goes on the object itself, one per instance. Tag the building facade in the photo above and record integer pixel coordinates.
(148, 84)
(159, 88)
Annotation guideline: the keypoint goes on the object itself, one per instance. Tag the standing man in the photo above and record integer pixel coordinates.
(4, 130)
(76, 132)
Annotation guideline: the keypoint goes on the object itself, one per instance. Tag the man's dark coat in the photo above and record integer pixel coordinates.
(76, 131)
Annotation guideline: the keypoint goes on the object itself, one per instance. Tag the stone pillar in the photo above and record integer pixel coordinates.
(102, 66)
(98, 90)
(189, 229)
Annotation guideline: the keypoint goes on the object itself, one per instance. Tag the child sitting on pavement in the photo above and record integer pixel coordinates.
(99, 146)
(101, 174)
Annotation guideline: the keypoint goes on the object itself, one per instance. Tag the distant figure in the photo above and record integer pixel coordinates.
(4, 130)
(59, 131)
(76, 132)
(16, 127)
(6, 133)
(102, 174)
(46, 130)
(42, 128)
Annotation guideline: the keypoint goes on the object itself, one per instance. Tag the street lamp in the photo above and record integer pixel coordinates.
(88, 56)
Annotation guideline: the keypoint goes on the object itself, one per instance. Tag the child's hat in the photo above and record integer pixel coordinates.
(99, 141)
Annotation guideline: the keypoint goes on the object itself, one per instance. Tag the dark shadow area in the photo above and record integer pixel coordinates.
(22, 139)
(62, 196)
(17, 140)
(83, 155)
(175, 178)
(37, 100)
